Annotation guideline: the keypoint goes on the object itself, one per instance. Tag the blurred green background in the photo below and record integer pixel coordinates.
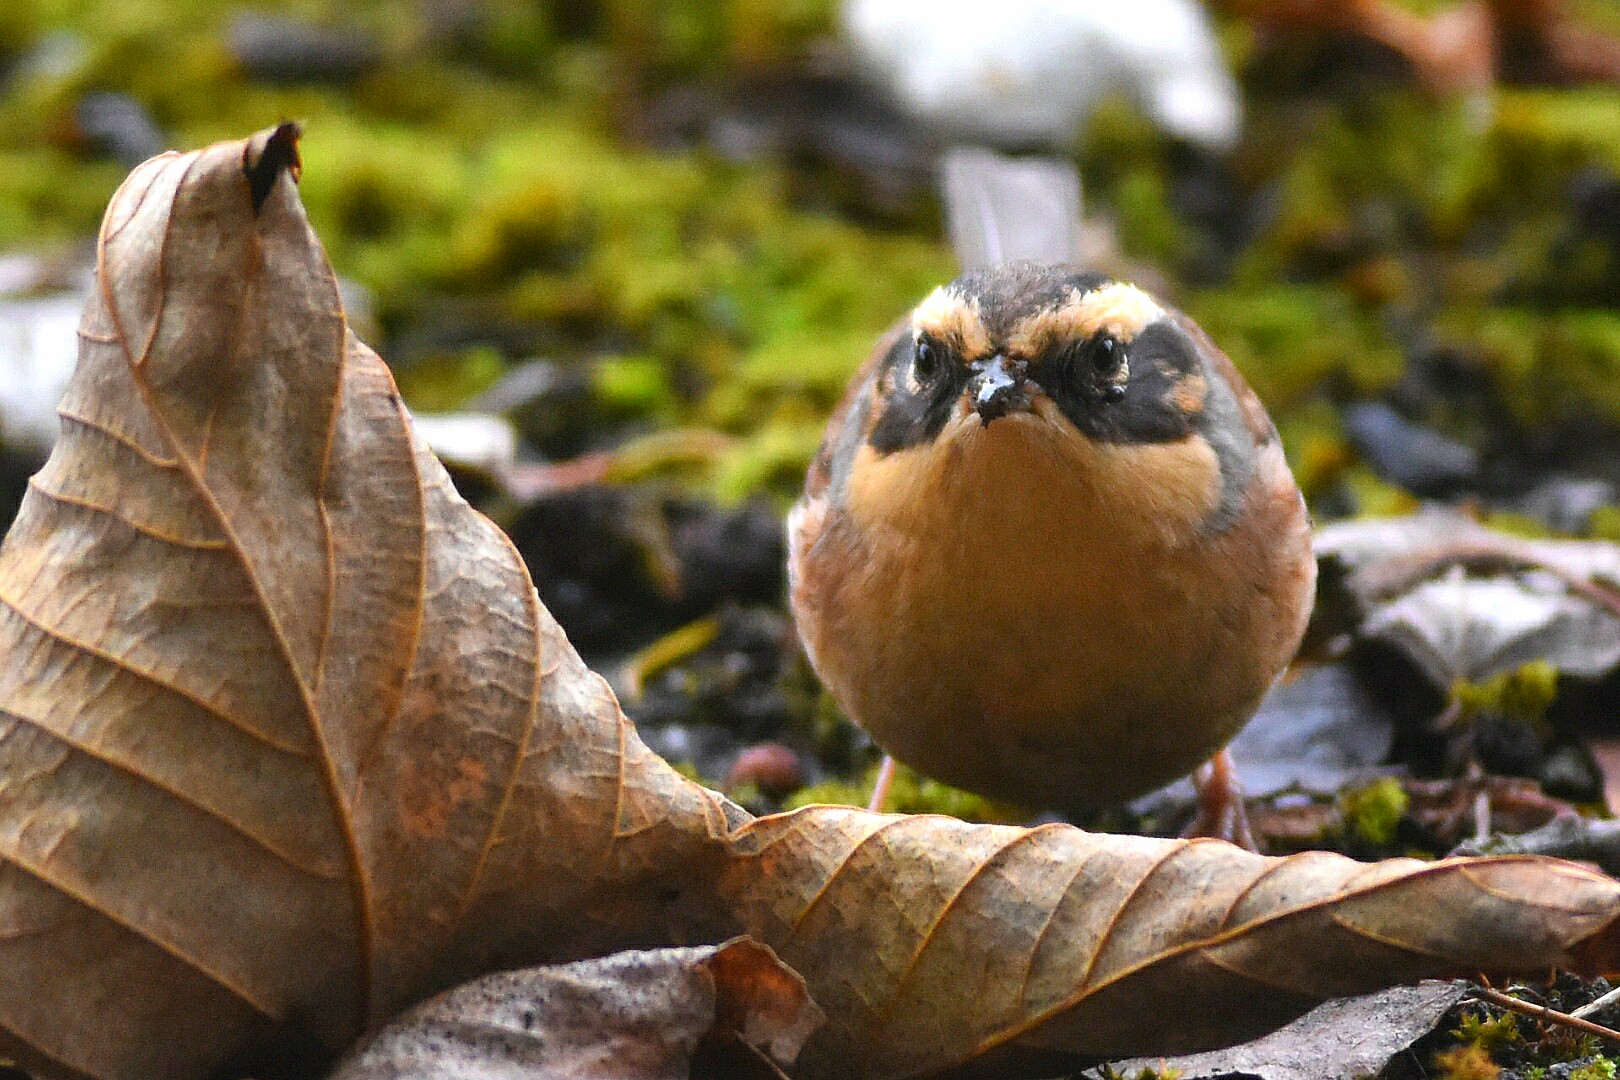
(658, 237)
(514, 179)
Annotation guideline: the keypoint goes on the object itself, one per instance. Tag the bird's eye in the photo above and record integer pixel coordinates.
(926, 362)
(1106, 355)
(1108, 367)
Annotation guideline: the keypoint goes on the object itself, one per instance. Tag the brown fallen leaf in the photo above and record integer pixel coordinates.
(629, 1016)
(287, 739)
(929, 942)
(288, 742)
(1343, 1039)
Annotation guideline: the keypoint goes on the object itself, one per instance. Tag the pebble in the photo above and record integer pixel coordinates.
(278, 50)
(771, 767)
(1419, 459)
(119, 127)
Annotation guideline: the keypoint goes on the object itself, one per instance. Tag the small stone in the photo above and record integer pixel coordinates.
(771, 767)
(118, 126)
(1419, 459)
(279, 50)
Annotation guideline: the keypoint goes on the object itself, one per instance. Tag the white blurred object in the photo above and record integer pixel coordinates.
(1017, 72)
(41, 301)
(39, 345)
(1000, 208)
(470, 440)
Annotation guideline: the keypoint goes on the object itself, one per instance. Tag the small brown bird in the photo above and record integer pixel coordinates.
(1050, 550)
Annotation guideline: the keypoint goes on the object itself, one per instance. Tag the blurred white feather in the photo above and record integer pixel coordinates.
(1023, 72)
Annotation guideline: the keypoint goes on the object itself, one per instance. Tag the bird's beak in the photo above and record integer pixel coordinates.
(997, 387)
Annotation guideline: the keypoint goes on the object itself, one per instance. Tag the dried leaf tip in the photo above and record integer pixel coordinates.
(266, 156)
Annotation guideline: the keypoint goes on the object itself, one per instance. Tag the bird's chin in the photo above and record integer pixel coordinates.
(1037, 421)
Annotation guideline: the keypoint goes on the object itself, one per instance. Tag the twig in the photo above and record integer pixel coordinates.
(1541, 1012)
(1597, 1005)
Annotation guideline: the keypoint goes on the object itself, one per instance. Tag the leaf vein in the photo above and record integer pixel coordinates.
(131, 770)
(144, 529)
(213, 709)
(167, 464)
(141, 933)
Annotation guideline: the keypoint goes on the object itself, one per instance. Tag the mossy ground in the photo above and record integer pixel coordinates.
(487, 184)
(480, 174)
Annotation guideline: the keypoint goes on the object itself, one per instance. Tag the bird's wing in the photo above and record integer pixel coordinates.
(1001, 208)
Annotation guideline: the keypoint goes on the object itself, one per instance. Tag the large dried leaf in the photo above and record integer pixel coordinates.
(286, 736)
(929, 941)
(287, 741)
(1407, 578)
(631, 1016)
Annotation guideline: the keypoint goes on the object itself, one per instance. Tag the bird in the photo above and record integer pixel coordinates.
(1050, 549)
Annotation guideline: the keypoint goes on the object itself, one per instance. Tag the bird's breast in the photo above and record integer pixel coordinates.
(1026, 601)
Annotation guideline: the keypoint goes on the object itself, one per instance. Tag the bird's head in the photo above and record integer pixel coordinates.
(1046, 344)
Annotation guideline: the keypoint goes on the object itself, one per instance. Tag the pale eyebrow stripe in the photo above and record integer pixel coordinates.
(1122, 310)
(952, 320)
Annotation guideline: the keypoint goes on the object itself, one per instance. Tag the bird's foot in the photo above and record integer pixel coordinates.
(1220, 804)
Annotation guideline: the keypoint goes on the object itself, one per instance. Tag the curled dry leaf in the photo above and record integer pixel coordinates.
(1053, 946)
(630, 1016)
(287, 741)
(1523, 601)
(287, 738)
(1342, 1039)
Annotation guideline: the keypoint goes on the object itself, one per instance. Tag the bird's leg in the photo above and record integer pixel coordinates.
(1220, 804)
(880, 788)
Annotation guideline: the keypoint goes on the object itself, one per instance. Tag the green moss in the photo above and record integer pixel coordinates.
(1526, 693)
(385, 198)
(443, 383)
(1545, 366)
(19, 28)
(668, 453)
(1108, 1072)
(1293, 340)
(1601, 1069)
(538, 226)
(633, 386)
(1559, 130)
(1605, 523)
(1514, 524)
(829, 793)
(909, 794)
(1123, 159)
(773, 458)
(512, 37)
(1313, 440)
(661, 41)
(37, 208)
(1368, 177)
(1144, 216)
(1478, 1027)
(1373, 812)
